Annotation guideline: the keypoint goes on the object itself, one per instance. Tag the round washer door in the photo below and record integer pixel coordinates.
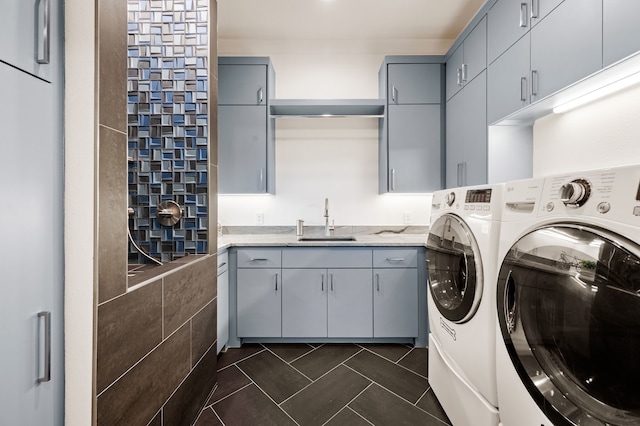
(569, 311)
(455, 271)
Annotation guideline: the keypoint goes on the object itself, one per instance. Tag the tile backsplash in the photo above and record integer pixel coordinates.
(167, 124)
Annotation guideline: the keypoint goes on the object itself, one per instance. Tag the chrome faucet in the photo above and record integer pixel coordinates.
(327, 232)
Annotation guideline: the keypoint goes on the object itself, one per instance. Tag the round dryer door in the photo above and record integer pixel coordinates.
(569, 312)
(455, 270)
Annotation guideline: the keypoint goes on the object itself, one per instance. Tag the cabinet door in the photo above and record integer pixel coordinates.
(350, 305)
(414, 148)
(475, 52)
(475, 131)
(32, 252)
(395, 302)
(558, 60)
(413, 84)
(242, 149)
(621, 33)
(242, 84)
(259, 303)
(304, 302)
(455, 140)
(508, 81)
(453, 82)
(541, 8)
(507, 21)
(23, 39)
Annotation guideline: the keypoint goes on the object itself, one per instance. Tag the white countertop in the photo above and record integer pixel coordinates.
(289, 240)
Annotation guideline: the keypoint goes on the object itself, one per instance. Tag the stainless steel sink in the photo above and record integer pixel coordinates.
(329, 238)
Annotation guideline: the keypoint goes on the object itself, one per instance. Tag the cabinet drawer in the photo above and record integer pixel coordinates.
(259, 258)
(335, 257)
(395, 258)
(223, 262)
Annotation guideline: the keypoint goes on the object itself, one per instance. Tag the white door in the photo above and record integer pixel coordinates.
(31, 253)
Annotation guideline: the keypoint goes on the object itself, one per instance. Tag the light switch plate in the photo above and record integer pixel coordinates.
(259, 218)
(406, 217)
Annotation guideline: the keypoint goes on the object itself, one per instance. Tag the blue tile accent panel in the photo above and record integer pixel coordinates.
(167, 124)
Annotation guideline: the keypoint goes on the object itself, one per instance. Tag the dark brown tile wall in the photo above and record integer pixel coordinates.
(137, 368)
(187, 292)
(138, 395)
(203, 329)
(129, 327)
(187, 402)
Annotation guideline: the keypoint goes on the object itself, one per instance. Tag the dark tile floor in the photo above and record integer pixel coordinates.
(301, 384)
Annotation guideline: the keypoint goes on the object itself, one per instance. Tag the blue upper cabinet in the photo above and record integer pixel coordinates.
(413, 84)
(509, 20)
(411, 136)
(468, 60)
(242, 84)
(28, 40)
(246, 136)
(621, 33)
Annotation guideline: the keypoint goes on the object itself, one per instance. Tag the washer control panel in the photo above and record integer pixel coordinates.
(613, 194)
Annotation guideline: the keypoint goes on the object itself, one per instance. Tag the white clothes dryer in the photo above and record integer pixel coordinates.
(462, 258)
(568, 300)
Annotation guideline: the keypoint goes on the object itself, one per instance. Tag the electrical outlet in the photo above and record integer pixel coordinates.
(406, 217)
(260, 218)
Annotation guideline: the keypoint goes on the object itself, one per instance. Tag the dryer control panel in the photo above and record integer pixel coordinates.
(611, 194)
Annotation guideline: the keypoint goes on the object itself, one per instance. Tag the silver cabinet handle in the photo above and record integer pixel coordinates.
(262, 180)
(535, 8)
(393, 179)
(276, 281)
(464, 173)
(47, 346)
(394, 94)
(378, 282)
(395, 259)
(322, 287)
(464, 72)
(459, 76)
(523, 88)
(222, 264)
(331, 282)
(534, 80)
(459, 174)
(260, 97)
(258, 259)
(44, 56)
(523, 15)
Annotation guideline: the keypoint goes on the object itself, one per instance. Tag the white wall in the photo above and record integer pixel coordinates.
(335, 157)
(605, 133)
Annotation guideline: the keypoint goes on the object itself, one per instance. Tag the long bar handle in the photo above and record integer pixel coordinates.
(47, 346)
(258, 259)
(464, 72)
(331, 282)
(464, 173)
(458, 175)
(262, 179)
(523, 15)
(394, 94)
(459, 76)
(378, 282)
(222, 264)
(260, 96)
(534, 80)
(523, 88)
(535, 8)
(393, 179)
(395, 259)
(44, 56)
(322, 286)
(276, 281)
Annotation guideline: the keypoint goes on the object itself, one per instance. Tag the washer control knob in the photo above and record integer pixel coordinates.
(550, 206)
(575, 193)
(450, 198)
(604, 207)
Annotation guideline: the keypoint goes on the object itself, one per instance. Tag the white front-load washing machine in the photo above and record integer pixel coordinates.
(568, 300)
(462, 258)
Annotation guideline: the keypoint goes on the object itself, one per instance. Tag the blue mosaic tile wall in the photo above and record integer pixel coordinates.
(167, 124)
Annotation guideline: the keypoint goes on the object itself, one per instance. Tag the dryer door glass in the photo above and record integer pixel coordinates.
(454, 269)
(569, 311)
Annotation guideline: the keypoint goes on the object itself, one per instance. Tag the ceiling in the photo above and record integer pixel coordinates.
(344, 19)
